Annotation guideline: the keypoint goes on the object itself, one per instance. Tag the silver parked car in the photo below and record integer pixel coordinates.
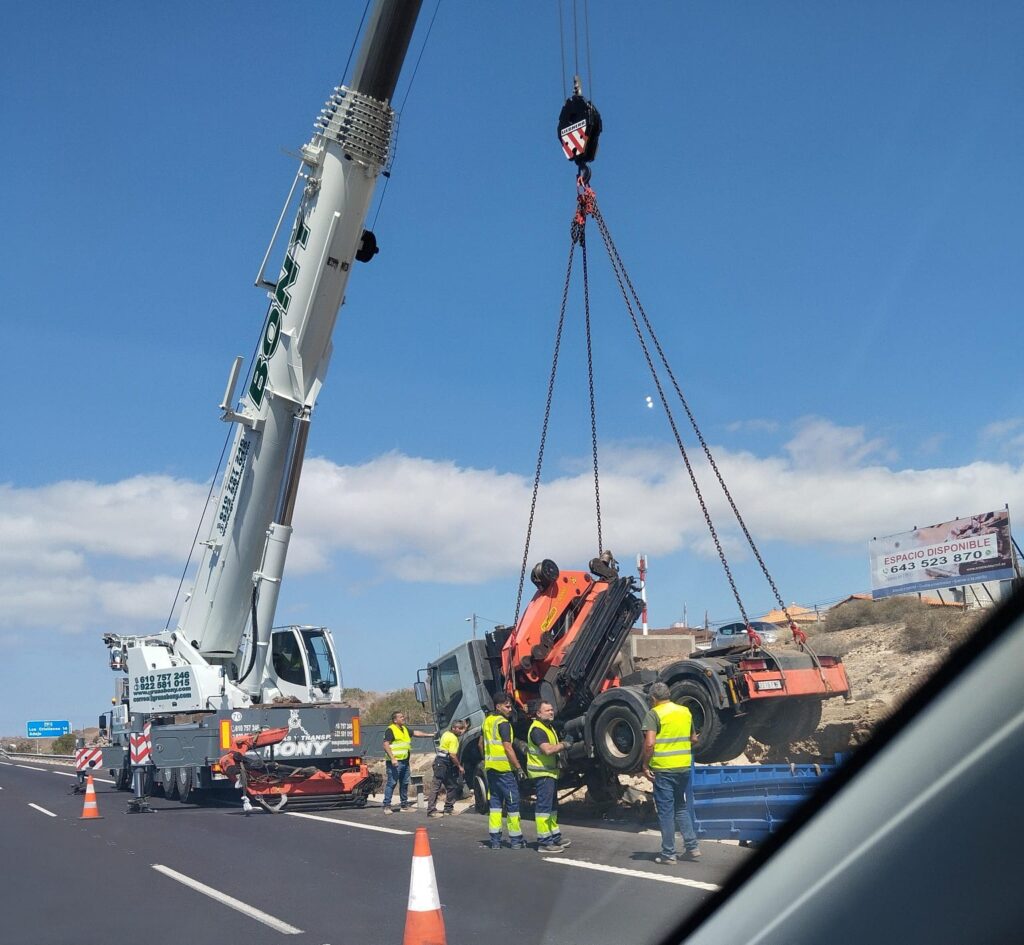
(735, 634)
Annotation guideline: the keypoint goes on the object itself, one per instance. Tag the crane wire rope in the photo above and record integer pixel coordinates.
(561, 45)
(199, 526)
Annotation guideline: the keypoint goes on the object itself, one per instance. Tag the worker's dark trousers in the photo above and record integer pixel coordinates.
(546, 811)
(445, 778)
(504, 794)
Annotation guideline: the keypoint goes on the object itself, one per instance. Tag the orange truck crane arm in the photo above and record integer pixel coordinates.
(564, 646)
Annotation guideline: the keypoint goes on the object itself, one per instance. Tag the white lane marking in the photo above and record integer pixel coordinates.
(29, 768)
(66, 774)
(639, 874)
(277, 924)
(349, 823)
(43, 810)
(7, 764)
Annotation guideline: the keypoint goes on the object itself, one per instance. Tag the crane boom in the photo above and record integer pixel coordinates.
(242, 564)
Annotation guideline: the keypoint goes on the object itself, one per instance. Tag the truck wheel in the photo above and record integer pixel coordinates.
(707, 723)
(618, 740)
(481, 801)
(788, 722)
(732, 742)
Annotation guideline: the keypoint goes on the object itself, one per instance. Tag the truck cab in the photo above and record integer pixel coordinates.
(461, 685)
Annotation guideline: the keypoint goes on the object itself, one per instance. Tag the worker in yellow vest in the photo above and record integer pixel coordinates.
(542, 749)
(397, 746)
(503, 772)
(447, 768)
(668, 762)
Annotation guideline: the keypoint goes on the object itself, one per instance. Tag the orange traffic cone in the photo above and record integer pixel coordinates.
(424, 924)
(90, 811)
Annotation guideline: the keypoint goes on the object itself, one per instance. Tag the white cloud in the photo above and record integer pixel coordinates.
(755, 425)
(79, 554)
(1008, 435)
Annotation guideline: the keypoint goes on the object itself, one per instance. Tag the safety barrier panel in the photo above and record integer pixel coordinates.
(749, 802)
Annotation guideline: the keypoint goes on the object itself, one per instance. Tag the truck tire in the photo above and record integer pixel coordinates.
(732, 742)
(618, 741)
(707, 722)
(789, 721)
(170, 779)
(481, 799)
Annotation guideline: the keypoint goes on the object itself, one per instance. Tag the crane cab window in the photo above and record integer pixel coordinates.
(287, 658)
(321, 661)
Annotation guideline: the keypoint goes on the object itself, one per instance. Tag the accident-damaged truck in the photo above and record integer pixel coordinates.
(567, 649)
(225, 699)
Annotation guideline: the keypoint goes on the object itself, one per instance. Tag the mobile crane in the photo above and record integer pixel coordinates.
(566, 649)
(224, 683)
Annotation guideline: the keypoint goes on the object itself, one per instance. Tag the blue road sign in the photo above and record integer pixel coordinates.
(48, 729)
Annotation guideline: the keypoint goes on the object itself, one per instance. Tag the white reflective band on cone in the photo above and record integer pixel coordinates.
(422, 886)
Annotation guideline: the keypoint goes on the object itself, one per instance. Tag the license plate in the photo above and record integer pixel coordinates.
(763, 684)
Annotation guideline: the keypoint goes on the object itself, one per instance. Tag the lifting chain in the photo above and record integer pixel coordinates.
(544, 426)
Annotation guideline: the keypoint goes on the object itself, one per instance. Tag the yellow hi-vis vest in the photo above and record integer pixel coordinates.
(672, 747)
(401, 741)
(495, 758)
(539, 765)
(448, 746)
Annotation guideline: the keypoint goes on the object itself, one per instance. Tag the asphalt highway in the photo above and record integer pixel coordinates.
(209, 874)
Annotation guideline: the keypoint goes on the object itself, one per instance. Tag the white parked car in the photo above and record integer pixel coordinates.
(735, 634)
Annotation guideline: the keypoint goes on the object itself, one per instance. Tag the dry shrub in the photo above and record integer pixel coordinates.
(862, 613)
(939, 628)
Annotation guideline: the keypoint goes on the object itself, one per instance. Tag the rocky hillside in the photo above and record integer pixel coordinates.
(886, 660)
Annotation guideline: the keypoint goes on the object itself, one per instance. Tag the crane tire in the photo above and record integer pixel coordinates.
(708, 723)
(618, 740)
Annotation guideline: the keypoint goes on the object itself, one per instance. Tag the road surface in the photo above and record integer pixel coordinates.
(211, 875)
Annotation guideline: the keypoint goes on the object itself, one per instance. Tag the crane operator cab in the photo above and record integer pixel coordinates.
(304, 663)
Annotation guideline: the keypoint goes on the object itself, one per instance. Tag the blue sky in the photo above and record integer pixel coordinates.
(819, 204)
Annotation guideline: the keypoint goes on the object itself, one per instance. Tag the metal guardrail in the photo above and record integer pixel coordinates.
(41, 756)
(372, 739)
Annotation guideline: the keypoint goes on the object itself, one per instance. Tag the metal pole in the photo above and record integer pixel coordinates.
(641, 567)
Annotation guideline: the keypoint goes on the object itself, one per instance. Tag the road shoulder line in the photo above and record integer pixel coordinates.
(350, 823)
(637, 874)
(224, 899)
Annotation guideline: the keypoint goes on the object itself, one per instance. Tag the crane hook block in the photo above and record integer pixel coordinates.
(368, 247)
(579, 127)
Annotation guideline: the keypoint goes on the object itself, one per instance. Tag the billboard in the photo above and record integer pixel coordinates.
(951, 554)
